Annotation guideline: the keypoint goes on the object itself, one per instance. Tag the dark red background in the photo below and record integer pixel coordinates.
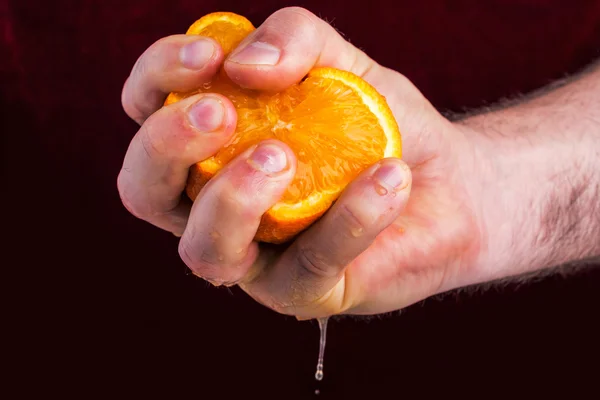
(104, 305)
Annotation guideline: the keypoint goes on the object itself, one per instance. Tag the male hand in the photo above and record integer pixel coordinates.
(370, 253)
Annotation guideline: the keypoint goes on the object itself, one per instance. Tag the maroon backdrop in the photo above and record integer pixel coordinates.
(103, 303)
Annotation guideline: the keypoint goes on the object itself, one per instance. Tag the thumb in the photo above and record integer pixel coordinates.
(286, 46)
(309, 279)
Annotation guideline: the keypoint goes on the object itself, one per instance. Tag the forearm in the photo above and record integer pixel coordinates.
(541, 184)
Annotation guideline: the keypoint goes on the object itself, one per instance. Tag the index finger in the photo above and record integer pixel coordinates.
(177, 63)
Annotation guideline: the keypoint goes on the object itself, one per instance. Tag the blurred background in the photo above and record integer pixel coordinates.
(101, 305)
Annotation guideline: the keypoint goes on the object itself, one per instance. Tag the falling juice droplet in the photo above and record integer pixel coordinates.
(319, 373)
(380, 190)
(323, 337)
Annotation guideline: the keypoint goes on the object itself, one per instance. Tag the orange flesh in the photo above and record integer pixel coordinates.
(220, 29)
(335, 123)
(331, 131)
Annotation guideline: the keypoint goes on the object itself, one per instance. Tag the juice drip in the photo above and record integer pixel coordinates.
(323, 337)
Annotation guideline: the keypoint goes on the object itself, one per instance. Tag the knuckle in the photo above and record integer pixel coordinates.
(311, 263)
(142, 66)
(125, 97)
(293, 21)
(196, 261)
(154, 53)
(186, 254)
(154, 63)
(206, 264)
(128, 103)
(297, 11)
(158, 56)
(127, 199)
(151, 141)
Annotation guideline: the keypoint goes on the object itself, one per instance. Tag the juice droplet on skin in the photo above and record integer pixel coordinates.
(356, 232)
(380, 190)
(322, 338)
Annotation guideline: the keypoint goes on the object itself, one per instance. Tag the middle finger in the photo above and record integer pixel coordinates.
(217, 244)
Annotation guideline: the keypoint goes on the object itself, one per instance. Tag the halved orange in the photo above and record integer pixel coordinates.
(335, 122)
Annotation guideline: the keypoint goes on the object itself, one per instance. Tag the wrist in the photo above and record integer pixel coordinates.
(536, 191)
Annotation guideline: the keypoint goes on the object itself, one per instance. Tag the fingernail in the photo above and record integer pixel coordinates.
(195, 55)
(268, 158)
(207, 114)
(256, 53)
(390, 175)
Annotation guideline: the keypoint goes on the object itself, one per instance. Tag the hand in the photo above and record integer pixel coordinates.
(370, 253)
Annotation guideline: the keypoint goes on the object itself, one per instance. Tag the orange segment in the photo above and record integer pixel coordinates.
(335, 122)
